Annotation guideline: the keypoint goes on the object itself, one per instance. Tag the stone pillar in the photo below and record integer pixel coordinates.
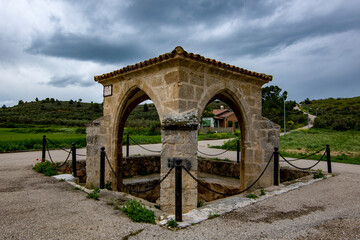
(179, 140)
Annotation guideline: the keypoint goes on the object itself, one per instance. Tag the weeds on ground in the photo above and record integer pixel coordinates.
(94, 194)
(252, 196)
(172, 223)
(108, 186)
(262, 192)
(319, 174)
(200, 204)
(75, 188)
(157, 206)
(213, 215)
(138, 212)
(46, 168)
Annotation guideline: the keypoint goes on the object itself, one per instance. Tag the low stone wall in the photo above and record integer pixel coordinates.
(80, 169)
(218, 167)
(144, 165)
(141, 165)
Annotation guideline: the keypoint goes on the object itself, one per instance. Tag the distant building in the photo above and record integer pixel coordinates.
(223, 118)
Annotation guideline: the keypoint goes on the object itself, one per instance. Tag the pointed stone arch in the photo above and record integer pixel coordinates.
(181, 84)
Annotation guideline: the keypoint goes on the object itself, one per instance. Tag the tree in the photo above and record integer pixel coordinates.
(4, 106)
(146, 108)
(20, 102)
(36, 99)
(71, 101)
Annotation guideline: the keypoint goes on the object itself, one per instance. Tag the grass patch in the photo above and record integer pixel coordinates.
(138, 212)
(344, 145)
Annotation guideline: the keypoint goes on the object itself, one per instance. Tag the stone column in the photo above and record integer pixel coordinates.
(179, 139)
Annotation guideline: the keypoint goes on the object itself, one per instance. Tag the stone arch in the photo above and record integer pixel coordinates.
(181, 84)
(133, 97)
(238, 105)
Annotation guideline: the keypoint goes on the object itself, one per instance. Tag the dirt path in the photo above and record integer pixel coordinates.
(33, 206)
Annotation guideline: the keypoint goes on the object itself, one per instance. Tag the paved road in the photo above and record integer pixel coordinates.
(33, 206)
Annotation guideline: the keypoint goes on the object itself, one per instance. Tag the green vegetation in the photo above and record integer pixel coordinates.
(344, 145)
(46, 168)
(172, 223)
(138, 212)
(319, 174)
(336, 114)
(95, 194)
(200, 203)
(50, 112)
(252, 196)
(27, 138)
(213, 215)
(262, 192)
(273, 108)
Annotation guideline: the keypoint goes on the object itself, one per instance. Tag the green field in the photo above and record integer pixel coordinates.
(344, 145)
(15, 139)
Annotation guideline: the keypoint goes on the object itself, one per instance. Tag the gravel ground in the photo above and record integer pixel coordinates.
(33, 206)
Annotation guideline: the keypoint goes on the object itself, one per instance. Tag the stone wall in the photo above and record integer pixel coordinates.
(140, 165)
(80, 169)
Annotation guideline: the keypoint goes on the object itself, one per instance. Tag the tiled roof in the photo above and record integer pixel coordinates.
(180, 51)
(219, 111)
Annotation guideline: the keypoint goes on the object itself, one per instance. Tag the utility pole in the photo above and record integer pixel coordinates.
(284, 97)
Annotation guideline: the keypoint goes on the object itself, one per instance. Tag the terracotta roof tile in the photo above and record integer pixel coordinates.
(180, 51)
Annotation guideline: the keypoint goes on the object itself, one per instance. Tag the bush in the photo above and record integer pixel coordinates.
(47, 168)
(138, 212)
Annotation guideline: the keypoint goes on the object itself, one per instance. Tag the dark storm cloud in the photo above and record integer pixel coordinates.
(85, 47)
(69, 80)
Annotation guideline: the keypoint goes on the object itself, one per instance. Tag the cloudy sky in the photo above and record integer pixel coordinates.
(53, 48)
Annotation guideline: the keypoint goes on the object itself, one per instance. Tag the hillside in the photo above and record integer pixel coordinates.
(50, 112)
(336, 114)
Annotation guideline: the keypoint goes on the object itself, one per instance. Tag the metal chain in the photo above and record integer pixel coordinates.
(134, 191)
(58, 166)
(57, 145)
(143, 147)
(297, 159)
(300, 167)
(213, 155)
(229, 194)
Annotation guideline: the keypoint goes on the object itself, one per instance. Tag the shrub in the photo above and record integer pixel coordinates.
(138, 212)
(47, 168)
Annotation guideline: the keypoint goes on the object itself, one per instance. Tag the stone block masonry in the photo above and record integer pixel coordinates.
(181, 84)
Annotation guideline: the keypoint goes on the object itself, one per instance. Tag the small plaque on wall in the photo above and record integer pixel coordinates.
(108, 90)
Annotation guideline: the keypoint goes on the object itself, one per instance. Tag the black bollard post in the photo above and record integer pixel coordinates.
(276, 166)
(102, 168)
(127, 145)
(178, 193)
(238, 151)
(73, 152)
(43, 156)
(328, 158)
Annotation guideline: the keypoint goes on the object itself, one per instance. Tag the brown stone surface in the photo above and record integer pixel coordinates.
(181, 84)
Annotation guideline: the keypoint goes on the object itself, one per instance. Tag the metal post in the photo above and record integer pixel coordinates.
(102, 168)
(238, 151)
(284, 117)
(178, 193)
(127, 145)
(328, 158)
(276, 166)
(73, 151)
(43, 156)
